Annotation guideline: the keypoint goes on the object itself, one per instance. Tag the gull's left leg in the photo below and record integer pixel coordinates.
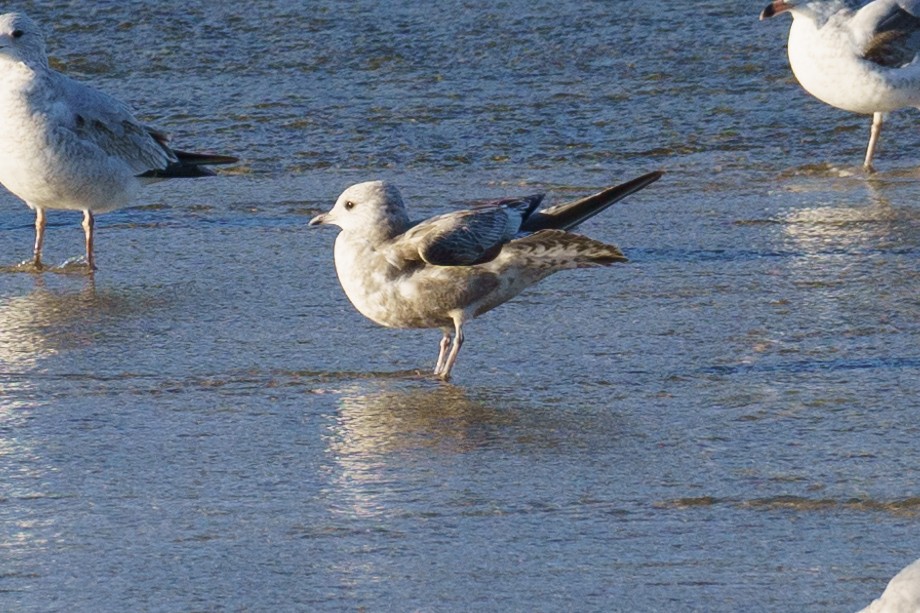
(88, 223)
(454, 350)
(442, 353)
(877, 120)
(39, 237)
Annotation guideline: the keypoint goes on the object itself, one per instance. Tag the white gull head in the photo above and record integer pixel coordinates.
(21, 40)
(373, 209)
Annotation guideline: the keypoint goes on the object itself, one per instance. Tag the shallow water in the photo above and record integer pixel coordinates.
(726, 423)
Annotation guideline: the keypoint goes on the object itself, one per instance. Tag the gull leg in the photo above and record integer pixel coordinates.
(442, 353)
(88, 223)
(39, 237)
(454, 350)
(877, 120)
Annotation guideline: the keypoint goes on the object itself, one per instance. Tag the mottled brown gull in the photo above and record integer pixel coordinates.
(855, 55)
(64, 145)
(444, 271)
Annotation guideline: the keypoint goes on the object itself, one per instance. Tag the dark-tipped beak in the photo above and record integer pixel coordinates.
(774, 8)
(318, 220)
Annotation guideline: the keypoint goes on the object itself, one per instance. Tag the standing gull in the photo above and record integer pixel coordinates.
(856, 56)
(444, 271)
(64, 145)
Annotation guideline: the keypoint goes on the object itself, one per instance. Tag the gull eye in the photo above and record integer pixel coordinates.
(349, 205)
(17, 33)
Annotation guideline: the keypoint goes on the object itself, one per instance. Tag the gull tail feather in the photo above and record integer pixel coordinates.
(189, 165)
(567, 216)
(561, 250)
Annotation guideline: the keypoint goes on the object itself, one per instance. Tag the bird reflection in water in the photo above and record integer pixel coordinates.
(48, 321)
(833, 227)
(376, 434)
(843, 243)
(39, 324)
(848, 274)
(390, 420)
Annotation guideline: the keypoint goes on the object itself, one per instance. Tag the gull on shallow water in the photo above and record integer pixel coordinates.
(855, 55)
(64, 145)
(444, 271)
(902, 594)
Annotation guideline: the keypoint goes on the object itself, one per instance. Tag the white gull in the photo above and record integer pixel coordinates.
(444, 271)
(857, 56)
(64, 145)
(902, 594)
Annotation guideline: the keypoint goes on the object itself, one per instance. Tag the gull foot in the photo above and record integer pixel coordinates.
(77, 264)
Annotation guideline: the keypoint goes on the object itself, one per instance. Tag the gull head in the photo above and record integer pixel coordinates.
(21, 39)
(775, 8)
(818, 11)
(372, 208)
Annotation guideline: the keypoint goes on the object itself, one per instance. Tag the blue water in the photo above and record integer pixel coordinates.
(726, 423)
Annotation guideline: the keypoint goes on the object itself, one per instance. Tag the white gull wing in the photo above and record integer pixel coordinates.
(462, 238)
(97, 120)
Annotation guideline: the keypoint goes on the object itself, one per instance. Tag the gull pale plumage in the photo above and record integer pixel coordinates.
(444, 271)
(64, 145)
(856, 56)
(902, 594)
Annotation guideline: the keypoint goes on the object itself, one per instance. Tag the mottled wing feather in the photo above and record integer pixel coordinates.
(465, 238)
(896, 37)
(102, 121)
(559, 249)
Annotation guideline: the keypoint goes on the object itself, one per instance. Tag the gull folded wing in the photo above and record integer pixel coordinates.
(465, 238)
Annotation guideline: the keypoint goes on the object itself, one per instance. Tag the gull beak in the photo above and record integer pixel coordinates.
(318, 220)
(775, 8)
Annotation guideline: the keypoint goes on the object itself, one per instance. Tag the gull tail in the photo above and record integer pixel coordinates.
(189, 165)
(561, 250)
(568, 215)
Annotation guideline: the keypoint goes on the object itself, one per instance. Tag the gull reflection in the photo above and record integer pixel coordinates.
(377, 432)
(41, 323)
(851, 276)
(840, 242)
(399, 419)
(33, 328)
(45, 322)
(830, 228)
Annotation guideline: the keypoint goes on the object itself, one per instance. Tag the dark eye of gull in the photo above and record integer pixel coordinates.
(16, 33)
(349, 205)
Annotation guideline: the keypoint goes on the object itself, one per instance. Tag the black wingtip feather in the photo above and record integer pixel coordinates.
(567, 216)
(204, 159)
(190, 165)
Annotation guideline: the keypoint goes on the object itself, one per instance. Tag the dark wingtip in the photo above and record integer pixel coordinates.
(622, 190)
(179, 170)
(569, 215)
(190, 165)
(204, 159)
(646, 179)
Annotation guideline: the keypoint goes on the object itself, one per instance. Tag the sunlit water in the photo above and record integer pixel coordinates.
(726, 423)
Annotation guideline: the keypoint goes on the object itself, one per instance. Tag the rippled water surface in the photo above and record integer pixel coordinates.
(726, 423)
